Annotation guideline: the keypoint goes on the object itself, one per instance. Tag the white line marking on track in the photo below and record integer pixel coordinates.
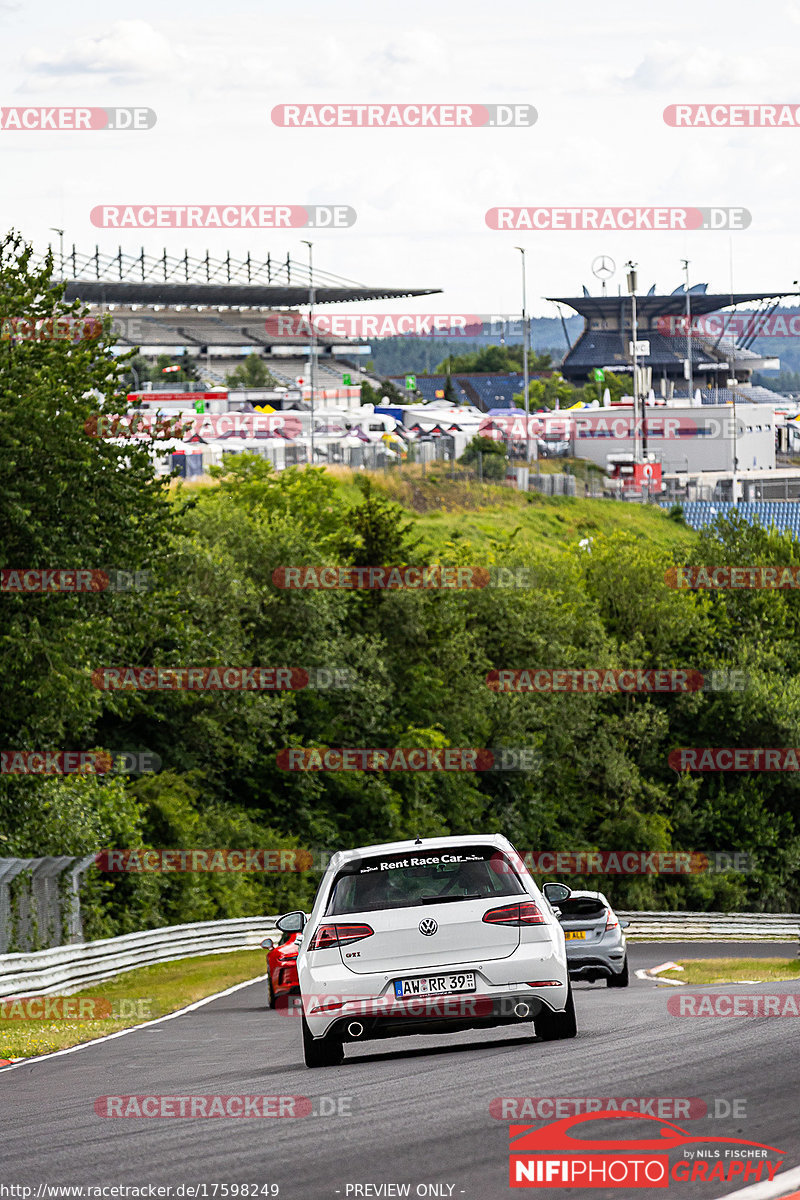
(108, 1037)
(645, 974)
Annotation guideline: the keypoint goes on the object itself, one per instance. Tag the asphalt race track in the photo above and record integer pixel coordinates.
(419, 1107)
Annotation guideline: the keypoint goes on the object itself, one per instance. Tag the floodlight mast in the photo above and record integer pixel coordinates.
(312, 348)
(632, 283)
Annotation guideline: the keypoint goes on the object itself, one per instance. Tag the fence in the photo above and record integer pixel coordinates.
(67, 969)
(39, 901)
(712, 927)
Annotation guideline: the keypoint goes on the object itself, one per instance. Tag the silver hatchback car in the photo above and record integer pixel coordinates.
(596, 945)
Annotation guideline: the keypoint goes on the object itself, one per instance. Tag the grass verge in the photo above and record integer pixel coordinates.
(135, 996)
(734, 970)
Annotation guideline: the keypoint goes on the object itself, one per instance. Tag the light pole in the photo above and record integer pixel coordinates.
(525, 358)
(311, 325)
(60, 233)
(634, 334)
(685, 262)
(735, 446)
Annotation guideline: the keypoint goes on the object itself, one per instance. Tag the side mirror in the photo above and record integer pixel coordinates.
(267, 944)
(556, 892)
(293, 922)
(624, 924)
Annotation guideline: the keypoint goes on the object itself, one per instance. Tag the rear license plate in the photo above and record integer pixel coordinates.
(435, 985)
(576, 935)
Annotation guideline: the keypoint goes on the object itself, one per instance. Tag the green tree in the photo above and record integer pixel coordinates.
(69, 499)
(252, 372)
(495, 360)
(492, 454)
(187, 372)
(385, 391)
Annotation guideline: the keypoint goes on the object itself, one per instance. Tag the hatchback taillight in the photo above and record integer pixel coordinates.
(514, 914)
(611, 920)
(330, 935)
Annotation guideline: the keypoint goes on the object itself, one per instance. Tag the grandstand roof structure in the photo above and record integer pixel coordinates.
(607, 332)
(203, 282)
(651, 306)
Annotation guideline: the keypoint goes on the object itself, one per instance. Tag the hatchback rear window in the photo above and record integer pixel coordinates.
(581, 906)
(436, 877)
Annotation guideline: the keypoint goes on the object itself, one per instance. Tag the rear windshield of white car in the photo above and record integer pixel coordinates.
(581, 907)
(427, 877)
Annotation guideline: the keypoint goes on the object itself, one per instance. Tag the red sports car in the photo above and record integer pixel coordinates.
(282, 967)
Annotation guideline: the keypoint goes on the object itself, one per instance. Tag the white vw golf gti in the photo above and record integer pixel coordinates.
(430, 936)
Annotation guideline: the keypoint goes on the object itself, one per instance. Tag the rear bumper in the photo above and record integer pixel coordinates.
(596, 966)
(443, 1015)
(385, 1016)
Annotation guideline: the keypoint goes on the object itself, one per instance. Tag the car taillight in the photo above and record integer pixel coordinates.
(514, 914)
(338, 935)
(611, 920)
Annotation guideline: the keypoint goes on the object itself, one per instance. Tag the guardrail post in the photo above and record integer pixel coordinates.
(74, 921)
(47, 898)
(9, 869)
(24, 916)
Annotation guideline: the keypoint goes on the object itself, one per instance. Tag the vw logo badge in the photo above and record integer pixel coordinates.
(428, 926)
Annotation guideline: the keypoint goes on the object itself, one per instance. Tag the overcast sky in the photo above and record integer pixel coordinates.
(599, 75)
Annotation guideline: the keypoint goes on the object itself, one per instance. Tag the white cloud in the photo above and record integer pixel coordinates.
(674, 65)
(129, 50)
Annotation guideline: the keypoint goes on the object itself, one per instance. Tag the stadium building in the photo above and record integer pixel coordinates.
(221, 310)
(718, 362)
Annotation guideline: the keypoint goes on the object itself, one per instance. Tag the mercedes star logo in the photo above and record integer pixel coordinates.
(428, 926)
(603, 267)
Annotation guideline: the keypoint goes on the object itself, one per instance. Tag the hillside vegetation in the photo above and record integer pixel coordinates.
(592, 595)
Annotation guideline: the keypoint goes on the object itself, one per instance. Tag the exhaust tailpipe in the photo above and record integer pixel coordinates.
(522, 1010)
(355, 1029)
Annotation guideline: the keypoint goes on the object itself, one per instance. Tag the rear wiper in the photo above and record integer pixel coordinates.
(448, 899)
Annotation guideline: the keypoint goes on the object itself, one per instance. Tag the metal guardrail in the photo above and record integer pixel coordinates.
(711, 927)
(67, 969)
